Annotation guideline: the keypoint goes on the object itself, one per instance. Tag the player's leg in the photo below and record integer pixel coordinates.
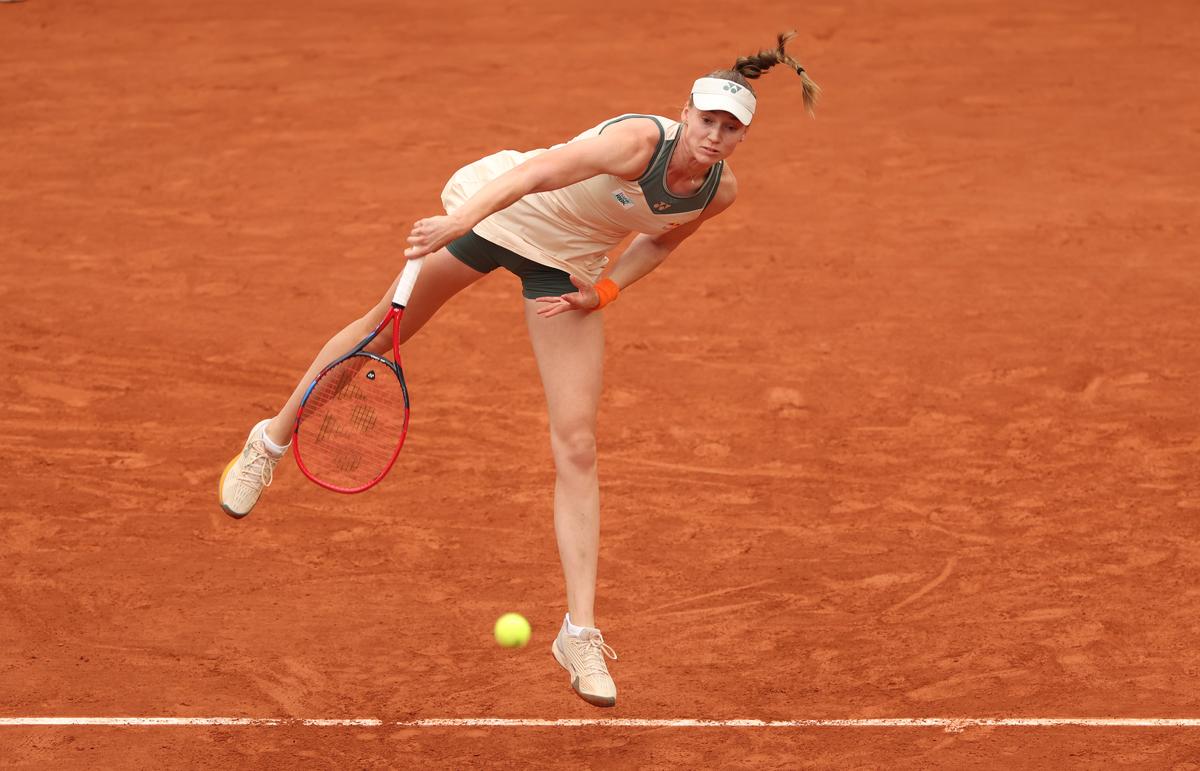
(570, 354)
(242, 482)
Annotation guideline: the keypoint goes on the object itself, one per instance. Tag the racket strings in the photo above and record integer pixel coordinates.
(358, 411)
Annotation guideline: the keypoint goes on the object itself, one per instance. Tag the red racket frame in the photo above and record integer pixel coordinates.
(403, 289)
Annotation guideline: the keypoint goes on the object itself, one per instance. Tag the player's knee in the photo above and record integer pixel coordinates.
(575, 449)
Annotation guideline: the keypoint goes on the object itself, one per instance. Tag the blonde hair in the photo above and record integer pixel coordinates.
(747, 68)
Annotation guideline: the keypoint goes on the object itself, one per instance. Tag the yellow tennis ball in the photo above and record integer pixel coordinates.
(512, 630)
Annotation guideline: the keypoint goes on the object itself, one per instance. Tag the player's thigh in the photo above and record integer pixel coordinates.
(442, 276)
(569, 349)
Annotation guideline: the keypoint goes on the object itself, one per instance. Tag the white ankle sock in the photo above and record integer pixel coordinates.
(273, 448)
(573, 630)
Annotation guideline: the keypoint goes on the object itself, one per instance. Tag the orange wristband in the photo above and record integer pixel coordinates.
(608, 291)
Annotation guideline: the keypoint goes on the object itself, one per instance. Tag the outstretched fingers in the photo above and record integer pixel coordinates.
(552, 306)
(586, 299)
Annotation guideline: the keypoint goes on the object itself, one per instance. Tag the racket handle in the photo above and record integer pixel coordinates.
(408, 279)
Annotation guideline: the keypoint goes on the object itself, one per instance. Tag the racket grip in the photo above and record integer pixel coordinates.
(408, 279)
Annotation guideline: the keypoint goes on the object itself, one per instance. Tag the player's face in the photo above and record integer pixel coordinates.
(711, 135)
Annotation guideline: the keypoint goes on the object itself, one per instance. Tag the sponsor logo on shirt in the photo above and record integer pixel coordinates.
(623, 199)
(662, 206)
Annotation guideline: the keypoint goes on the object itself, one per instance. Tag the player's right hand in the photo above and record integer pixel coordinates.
(432, 233)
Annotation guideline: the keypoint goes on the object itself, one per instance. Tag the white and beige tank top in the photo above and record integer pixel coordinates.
(573, 228)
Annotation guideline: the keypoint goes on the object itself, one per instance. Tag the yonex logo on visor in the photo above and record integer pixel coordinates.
(726, 96)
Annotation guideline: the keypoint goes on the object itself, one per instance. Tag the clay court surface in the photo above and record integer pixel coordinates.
(911, 431)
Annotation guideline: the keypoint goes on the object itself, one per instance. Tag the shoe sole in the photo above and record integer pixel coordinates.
(221, 489)
(595, 701)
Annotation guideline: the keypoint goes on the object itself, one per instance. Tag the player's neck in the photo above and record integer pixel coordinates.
(685, 172)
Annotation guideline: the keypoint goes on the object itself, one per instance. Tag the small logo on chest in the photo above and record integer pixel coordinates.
(662, 206)
(623, 199)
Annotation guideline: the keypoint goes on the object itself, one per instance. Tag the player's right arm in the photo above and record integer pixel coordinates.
(623, 150)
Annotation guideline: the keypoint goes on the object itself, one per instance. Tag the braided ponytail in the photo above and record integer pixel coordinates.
(752, 67)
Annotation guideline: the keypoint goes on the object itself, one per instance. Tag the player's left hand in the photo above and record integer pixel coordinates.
(585, 299)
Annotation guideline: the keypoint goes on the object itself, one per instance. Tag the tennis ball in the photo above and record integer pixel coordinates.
(512, 630)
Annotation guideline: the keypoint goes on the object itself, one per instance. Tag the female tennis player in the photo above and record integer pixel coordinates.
(549, 216)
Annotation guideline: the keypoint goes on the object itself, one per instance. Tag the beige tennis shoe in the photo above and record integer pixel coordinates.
(247, 475)
(583, 658)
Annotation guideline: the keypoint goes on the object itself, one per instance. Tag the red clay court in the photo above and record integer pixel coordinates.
(911, 432)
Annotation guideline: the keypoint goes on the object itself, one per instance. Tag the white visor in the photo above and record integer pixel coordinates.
(725, 95)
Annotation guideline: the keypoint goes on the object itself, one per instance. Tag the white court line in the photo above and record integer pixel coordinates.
(951, 724)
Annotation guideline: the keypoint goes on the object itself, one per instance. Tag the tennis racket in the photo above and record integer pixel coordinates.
(354, 416)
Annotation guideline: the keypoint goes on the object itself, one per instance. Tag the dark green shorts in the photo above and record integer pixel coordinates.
(537, 280)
